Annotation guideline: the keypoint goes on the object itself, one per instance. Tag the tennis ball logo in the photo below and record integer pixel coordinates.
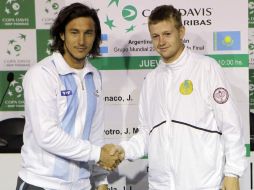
(15, 6)
(18, 90)
(228, 41)
(17, 48)
(12, 7)
(129, 12)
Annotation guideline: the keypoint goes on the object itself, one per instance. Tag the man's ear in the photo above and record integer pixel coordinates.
(182, 32)
(62, 36)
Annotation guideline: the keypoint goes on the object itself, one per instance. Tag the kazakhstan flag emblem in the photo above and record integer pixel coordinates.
(186, 87)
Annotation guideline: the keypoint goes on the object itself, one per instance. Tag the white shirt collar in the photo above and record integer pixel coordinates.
(178, 63)
(63, 68)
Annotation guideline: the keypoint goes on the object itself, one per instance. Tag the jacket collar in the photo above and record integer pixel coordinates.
(63, 68)
(178, 63)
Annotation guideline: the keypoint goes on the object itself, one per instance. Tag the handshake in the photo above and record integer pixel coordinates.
(111, 156)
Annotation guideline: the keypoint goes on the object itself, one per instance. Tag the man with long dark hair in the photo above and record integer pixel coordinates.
(64, 110)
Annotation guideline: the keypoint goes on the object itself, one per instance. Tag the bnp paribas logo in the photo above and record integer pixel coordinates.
(12, 7)
(125, 17)
(52, 7)
(15, 45)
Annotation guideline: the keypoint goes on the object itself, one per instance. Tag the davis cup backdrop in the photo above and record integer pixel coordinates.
(215, 28)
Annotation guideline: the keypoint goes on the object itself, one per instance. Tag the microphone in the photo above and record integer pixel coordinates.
(10, 78)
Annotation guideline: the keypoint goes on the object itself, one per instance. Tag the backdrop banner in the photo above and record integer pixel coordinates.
(218, 29)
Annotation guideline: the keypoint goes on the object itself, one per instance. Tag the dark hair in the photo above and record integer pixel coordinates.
(165, 12)
(66, 15)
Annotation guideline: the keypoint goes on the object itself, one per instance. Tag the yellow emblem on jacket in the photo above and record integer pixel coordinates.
(186, 87)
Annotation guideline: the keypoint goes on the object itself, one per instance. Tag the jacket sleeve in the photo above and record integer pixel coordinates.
(99, 175)
(42, 116)
(136, 146)
(228, 120)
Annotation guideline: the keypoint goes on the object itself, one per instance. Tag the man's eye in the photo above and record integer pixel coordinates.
(74, 32)
(89, 33)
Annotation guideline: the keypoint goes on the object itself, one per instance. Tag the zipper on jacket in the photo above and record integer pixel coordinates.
(80, 78)
(82, 84)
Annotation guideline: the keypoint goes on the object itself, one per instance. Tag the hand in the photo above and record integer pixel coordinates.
(102, 187)
(230, 183)
(119, 151)
(111, 156)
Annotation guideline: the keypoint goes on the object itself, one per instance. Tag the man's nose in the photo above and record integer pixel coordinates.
(161, 40)
(81, 39)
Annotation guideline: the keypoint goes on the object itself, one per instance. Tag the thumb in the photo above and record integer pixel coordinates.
(121, 152)
(113, 151)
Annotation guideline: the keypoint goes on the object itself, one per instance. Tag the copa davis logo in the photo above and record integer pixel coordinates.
(16, 91)
(128, 15)
(197, 16)
(52, 7)
(15, 45)
(15, 53)
(12, 7)
(192, 16)
(15, 12)
(14, 99)
(47, 11)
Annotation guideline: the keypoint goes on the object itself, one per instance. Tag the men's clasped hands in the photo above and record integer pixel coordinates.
(111, 156)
